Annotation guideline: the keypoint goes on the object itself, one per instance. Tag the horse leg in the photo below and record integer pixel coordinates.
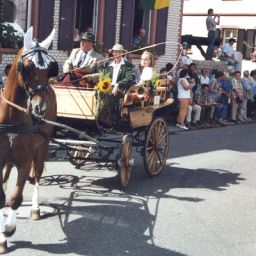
(37, 169)
(7, 171)
(16, 199)
(3, 241)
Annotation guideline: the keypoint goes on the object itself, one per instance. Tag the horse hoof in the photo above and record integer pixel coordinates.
(35, 214)
(9, 230)
(3, 247)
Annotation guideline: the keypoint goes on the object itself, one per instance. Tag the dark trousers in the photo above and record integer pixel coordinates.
(211, 40)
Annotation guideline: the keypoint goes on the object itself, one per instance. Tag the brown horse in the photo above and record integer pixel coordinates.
(23, 139)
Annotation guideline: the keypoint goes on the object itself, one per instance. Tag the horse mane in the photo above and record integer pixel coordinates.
(10, 92)
(12, 76)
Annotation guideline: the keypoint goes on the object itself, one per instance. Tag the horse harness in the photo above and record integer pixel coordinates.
(41, 60)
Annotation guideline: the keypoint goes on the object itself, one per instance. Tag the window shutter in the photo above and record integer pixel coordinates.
(127, 23)
(240, 38)
(45, 26)
(250, 40)
(67, 12)
(109, 24)
(161, 29)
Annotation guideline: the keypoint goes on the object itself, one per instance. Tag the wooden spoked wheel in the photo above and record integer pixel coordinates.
(125, 161)
(75, 154)
(156, 146)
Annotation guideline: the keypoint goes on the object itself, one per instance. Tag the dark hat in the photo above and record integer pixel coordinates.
(88, 36)
(232, 40)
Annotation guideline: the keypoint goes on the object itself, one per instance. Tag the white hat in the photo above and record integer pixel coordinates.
(117, 47)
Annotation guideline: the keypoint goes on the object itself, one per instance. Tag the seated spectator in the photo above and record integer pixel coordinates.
(229, 54)
(138, 39)
(202, 99)
(204, 78)
(185, 59)
(165, 81)
(193, 108)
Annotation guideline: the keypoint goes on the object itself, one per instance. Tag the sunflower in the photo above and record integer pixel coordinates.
(158, 83)
(104, 85)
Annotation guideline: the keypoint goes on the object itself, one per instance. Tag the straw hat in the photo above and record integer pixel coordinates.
(117, 47)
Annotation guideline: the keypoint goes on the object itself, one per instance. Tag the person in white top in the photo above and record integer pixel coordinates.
(184, 96)
(229, 54)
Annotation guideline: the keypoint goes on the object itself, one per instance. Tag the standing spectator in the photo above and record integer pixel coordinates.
(138, 38)
(76, 38)
(247, 83)
(193, 74)
(252, 100)
(229, 54)
(237, 97)
(184, 91)
(211, 22)
(214, 92)
(225, 96)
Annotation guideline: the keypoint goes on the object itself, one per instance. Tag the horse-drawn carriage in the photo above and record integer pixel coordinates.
(28, 110)
(109, 137)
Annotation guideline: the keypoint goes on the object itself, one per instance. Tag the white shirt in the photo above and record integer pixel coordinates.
(182, 93)
(228, 49)
(204, 80)
(116, 68)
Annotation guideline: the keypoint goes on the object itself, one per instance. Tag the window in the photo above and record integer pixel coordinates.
(230, 33)
(85, 15)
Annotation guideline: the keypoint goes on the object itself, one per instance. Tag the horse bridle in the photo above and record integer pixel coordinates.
(31, 92)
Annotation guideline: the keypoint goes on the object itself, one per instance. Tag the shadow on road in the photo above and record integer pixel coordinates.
(106, 225)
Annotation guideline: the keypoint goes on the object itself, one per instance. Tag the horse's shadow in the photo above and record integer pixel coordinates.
(106, 227)
(98, 220)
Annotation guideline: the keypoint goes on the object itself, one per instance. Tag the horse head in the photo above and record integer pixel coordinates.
(35, 67)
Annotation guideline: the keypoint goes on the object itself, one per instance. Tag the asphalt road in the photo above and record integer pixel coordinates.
(203, 204)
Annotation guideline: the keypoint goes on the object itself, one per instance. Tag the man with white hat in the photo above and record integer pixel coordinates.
(119, 70)
(85, 58)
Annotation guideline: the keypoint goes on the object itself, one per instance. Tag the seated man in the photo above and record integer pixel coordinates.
(120, 72)
(230, 55)
(83, 60)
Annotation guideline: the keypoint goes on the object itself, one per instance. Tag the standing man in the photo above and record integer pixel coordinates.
(211, 22)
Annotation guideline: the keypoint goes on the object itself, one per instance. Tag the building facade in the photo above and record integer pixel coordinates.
(112, 21)
(237, 20)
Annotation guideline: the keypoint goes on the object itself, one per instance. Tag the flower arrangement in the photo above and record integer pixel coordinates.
(104, 84)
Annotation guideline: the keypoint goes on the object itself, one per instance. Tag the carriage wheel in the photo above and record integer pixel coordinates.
(125, 161)
(74, 154)
(156, 146)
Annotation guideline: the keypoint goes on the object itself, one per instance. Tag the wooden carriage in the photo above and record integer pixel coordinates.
(141, 125)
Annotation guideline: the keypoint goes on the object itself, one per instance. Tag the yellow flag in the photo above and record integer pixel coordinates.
(159, 4)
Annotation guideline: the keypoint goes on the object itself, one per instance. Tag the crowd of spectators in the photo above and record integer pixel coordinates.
(213, 97)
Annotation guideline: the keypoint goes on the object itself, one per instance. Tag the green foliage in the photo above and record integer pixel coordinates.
(8, 37)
